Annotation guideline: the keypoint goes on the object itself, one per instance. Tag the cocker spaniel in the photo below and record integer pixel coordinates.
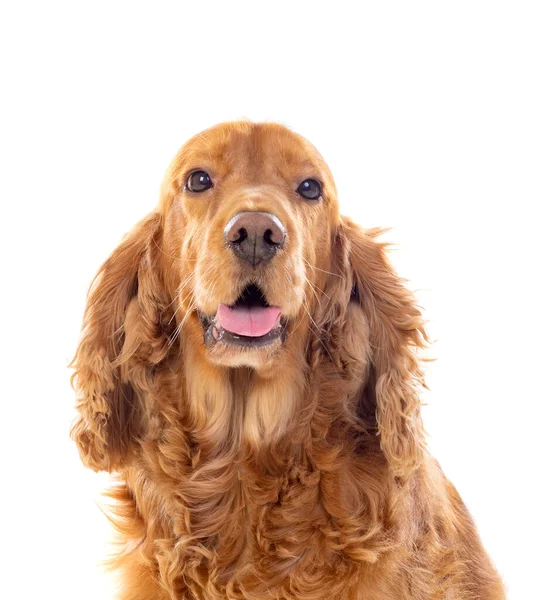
(249, 369)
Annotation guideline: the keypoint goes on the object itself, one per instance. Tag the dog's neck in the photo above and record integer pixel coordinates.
(240, 406)
(230, 410)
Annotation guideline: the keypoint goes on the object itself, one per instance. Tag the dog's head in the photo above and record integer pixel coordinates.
(248, 262)
(250, 210)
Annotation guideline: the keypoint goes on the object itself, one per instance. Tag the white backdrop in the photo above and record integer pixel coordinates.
(428, 113)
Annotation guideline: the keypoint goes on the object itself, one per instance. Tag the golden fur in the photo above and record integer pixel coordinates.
(294, 471)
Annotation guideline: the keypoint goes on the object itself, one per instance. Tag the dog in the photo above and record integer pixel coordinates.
(250, 368)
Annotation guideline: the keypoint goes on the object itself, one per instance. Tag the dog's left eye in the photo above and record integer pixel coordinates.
(198, 181)
(309, 189)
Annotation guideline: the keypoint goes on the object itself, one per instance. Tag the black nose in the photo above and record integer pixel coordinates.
(255, 236)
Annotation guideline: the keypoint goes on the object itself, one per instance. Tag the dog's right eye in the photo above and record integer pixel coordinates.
(198, 181)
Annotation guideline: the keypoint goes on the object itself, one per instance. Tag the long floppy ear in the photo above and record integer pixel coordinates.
(378, 299)
(122, 339)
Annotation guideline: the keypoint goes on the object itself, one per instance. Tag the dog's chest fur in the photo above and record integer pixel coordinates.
(245, 517)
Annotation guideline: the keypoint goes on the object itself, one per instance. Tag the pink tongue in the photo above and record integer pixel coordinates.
(254, 321)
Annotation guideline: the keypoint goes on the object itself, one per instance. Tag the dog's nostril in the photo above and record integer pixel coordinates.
(239, 236)
(267, 236)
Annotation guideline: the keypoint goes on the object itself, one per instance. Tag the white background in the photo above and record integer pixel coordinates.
(428, 113)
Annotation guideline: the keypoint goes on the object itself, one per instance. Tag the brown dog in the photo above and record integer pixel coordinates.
(249, 367)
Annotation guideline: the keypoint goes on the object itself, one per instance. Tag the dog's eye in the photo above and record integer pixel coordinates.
(310, 189)
(198, 181)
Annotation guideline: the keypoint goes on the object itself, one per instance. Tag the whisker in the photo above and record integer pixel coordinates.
(304, 303)
(177, 295)
(313, 290)
(322, 270)
(179, 327)
(191, 304)
(320, 290)
(321, 342)
(180, 259)
(181, 287)
(316, 326)
(288, 276)
(310, 316)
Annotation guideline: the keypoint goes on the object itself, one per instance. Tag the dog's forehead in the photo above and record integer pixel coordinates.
(253, 146)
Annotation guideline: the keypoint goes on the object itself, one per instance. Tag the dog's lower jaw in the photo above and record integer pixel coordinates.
(229, 355)
(229, 349)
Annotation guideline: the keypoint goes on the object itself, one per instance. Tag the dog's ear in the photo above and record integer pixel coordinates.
(368, 300)
(122, 340)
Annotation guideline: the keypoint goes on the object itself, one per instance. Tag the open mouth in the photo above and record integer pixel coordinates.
(249, 321)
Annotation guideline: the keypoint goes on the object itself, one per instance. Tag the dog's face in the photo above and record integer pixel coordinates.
(250, 210)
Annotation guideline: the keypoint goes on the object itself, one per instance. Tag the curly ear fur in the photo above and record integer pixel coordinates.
(122, 338)
(369, 299)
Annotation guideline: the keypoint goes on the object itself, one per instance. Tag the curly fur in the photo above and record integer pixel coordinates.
(305, 476)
